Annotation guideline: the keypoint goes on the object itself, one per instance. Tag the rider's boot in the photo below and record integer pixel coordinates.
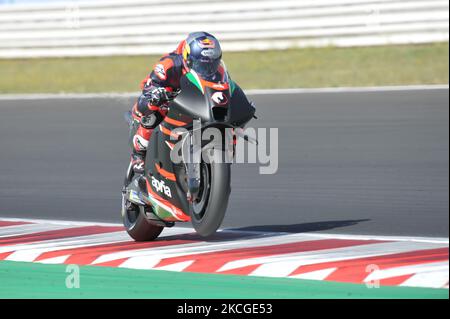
(137, 161)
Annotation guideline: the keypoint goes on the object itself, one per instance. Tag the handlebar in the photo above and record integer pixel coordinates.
(172, 95)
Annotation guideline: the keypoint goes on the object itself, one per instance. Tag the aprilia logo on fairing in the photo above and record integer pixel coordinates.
(161, 187)
(219, 98)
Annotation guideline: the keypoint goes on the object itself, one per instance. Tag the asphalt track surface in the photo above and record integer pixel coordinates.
(349, 162)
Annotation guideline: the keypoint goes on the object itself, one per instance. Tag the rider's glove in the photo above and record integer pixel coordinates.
(157, 96)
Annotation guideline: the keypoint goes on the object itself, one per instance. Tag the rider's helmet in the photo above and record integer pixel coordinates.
(202, 53)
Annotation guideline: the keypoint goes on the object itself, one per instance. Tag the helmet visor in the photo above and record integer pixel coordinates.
(205, 67)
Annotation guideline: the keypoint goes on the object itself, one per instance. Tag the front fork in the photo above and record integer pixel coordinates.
(192, 152)
(192, 157)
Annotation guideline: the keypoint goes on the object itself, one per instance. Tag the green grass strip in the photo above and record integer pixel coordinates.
(307, 68)
(33, 280)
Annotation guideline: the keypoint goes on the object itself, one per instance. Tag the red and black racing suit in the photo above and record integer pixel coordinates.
(166, 74)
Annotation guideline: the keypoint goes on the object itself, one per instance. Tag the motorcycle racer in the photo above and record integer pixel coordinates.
(200, 52)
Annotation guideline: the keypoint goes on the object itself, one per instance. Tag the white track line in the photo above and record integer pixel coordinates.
(277, 265)
(31, 251)
(48, 96)
(321, 274)
(433, 279)
(434, 274)
(142, 256)
(58, 222)
(270, 264)
(438, 271)
(28, 229)
(426, 239)
(54, 260)
(177, 266)
(349, 89)
(435, 240)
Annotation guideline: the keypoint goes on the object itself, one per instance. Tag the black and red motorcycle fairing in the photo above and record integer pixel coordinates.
(170, 192)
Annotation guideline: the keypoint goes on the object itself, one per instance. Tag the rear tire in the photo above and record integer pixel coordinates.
(209, 219)
(137, 225)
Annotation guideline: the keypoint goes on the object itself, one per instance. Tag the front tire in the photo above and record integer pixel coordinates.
(207, 217)
(136, 224)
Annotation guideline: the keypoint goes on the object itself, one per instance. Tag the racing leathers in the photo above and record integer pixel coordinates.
(149, 108)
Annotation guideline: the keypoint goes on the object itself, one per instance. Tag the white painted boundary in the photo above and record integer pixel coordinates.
(49, 96)
(350, 89)
(439, 240)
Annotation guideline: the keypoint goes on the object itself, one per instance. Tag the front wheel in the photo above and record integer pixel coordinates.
(136, 224)
(208, 209)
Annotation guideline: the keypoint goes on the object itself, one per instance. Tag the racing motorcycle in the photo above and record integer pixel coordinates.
(187, 190)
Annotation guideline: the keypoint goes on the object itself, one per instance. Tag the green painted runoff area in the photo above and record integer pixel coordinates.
(34, 280)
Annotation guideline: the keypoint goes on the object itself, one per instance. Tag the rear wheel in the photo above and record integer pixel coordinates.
(209, 207)
(136, 224)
